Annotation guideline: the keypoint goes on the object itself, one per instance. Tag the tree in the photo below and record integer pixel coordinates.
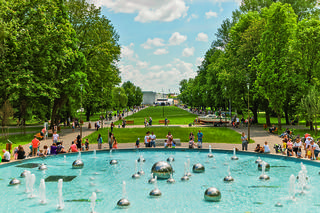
(119, 98)
(274, 76)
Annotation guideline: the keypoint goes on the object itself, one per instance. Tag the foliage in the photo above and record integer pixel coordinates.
(134, 94)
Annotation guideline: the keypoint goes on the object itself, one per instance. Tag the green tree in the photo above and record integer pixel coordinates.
(119, 98)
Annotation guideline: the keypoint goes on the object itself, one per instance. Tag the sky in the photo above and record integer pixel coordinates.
(164, 41)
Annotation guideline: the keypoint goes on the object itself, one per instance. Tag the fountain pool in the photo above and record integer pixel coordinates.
(247, 193)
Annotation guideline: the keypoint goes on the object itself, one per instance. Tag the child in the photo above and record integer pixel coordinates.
(165, 144)
(87, 144)
(137, 143)
(15, 153)
(115, 144)
(299, 153)
(173, 145)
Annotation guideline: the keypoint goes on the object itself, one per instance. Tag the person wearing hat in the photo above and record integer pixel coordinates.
(6, 156)
(137, 143)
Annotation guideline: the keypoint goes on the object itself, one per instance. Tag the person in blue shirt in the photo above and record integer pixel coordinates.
(200, 137)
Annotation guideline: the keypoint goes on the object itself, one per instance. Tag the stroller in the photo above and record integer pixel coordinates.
(277, 148)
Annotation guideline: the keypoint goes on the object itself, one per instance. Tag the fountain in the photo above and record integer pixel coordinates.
(32, 180)
(60, 198)
(113, 162)
(78, 164)
(136, 175)
(210, 155)
(264, 176)
(212, 194)
(185, 176)
(42, 192)
(24, 173)
(14, 181)
(141, 159)
(258, 160)
(302, 178)
(43, 167)
(94, 153)
(27, 175)
(266, 164)
(123, 202)
(171, 180)
(292, 192)
(65, 159)
(152, 179)
(141, 172)
(228, 178)
(162, 170)
(198, 168)
(234, 157)
(93, 199)
(170, 159)
(187, 172)
(155, 192)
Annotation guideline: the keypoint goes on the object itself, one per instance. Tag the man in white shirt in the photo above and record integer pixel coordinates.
(6, 156)
(55, 137)
(314, 150)
(297, 145)
(152, 140)
(146, 139)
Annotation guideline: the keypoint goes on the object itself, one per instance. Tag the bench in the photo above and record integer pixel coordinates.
(160, 142)
(275, 131)
(163, 122)
(129, 122)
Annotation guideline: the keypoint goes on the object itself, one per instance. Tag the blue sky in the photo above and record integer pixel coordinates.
(163, 41)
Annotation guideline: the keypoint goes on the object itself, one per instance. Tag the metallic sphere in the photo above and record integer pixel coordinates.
(77, 164)
(234, 158)
(155, 193)
(198, 168)
(210, 155)
(123, 203)
(14, 181)
(24, 173)
(162, 170)
(188, 174)
(264, 177)
(185, 178)
(113, 162)
(42, 167)
(228, 179)
(135, 176)
(267, 166)
(170, 159)
(278, 205)
(212, 194)
(171, 180)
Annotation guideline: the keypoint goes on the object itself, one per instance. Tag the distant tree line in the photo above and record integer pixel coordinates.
(270, 46)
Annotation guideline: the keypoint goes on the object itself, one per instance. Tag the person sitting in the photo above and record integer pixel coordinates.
(272, 129)
(15, 153)
(192, 145)
(297, 144)
(115, 144)
(21, 153)
(87, 144)
(315, 150)
(60, 148)
(257, 149)
(266, 147)
(6, 156)
(46, 150)
(73, 147)
(137, 143)
(54, 149)
(289, 148)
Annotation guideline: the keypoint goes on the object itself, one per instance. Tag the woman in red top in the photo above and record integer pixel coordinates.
(35, 144)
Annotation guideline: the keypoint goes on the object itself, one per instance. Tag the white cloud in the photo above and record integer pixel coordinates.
(199, 61)
(142, 64)
(156, 67)
(211, 14)
(187, 52)
(150, 43)
(202, 37)
(128, 52)
(161, 51)
(192, 16)
(147, 11)
(177, 39)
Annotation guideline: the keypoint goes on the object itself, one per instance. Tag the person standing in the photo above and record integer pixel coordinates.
(79, 142)
(100, 141)
(55, 137)
(200, 137)
(112, 126)
(6, 156)
(166, 121)
(153, 140)
(244, 141)
(110, 140)
(147, 139)
(35, 144)
(170, 139)
(150, 121)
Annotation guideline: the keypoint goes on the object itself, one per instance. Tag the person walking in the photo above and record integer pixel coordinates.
(200, 137)
(100, 141)
(244, 141)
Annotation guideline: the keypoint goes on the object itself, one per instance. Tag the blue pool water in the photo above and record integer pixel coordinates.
(246, 194)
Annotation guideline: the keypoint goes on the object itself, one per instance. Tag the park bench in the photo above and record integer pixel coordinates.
(39, 136)
(160, 142)
(163, 122)
(129, 122)
(275, 131)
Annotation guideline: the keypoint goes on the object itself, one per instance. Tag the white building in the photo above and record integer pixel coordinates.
(149, 97)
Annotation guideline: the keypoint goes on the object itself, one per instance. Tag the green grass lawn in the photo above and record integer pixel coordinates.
(16, 140)
(130, 135)
(174, 114)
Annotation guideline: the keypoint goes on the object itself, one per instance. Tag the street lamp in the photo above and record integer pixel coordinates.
(248, 86)
(81, 85)
(225, 104)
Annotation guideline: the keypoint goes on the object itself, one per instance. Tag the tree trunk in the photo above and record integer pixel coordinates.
(279, 122)
(56, 106)
(88, 114)
(311, 126)
(255, 116)
(287, 117)
(268, 118)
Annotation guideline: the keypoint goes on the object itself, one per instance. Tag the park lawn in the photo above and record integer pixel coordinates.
(174, 114)
(16, 140)
(130, 135)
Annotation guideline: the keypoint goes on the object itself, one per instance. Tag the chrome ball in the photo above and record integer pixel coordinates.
(152, 180)
(234, 158)
(141, 172)
(135, 176)
(210, 155)
(162, 170)
(267, 166)
(264, 177)
(24, 173)
(171, 180)
(113, 162)
(278, 205)
(77, 164)
(170, 159)
(198, 168)
(155, 193)
(123, 203)
(42, 167)
(258, 160)
(185, 178)
(14, 181)
(212, 194)
(228, 179)
(143, 160)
